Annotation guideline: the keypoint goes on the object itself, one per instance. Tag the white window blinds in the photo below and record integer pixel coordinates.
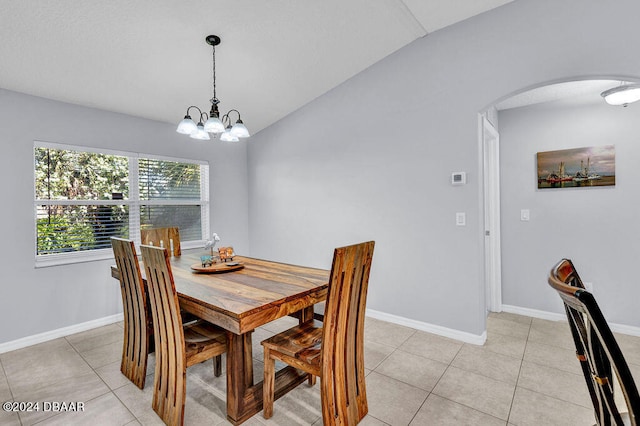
(84, 197)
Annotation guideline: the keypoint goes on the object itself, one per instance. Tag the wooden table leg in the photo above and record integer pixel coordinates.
(306, 314)
(244, 398)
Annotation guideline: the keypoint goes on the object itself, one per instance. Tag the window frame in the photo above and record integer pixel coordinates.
(134, 204)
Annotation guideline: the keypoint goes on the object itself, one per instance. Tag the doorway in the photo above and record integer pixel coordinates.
(491, 187)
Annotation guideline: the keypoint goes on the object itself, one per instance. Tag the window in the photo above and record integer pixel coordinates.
(83, 197)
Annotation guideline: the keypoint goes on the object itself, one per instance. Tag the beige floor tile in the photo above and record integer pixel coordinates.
(484, 394)
(204, 404)
(375, 353)
(280, 325)
(42, 365)
(368, 420)
(392, 401)
(553, 333)
(555, 383)
(103, 410)
(535, 409)
(412, 369)
(258, 336)
(9, 418)
(432, 346)
(386, 333)
(301, 406)
(253, 421)
(635, 372)
(443, 412)
(139, 402)
(51, 371)
(630, 347)
(81, 388)
(112, 375)
(91, 339)
(203, 373)
(479, 360)
(511, 317)
(103, 355)
(505, 345)
(507, 327)
(5, 392)
(553, 356)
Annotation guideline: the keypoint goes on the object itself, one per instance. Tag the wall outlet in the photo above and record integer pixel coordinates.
(524, 215)
(461, 219)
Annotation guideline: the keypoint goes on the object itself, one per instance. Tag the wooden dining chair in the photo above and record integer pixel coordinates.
(600, 356)
(177, 347)
(162, 237)
(333, 351)
(138, 327)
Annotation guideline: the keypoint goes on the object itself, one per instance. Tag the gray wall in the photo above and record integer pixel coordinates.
(596, 227)
(372, 158)
(35, 301)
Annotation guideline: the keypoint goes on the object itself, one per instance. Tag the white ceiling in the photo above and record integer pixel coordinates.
(148, 58)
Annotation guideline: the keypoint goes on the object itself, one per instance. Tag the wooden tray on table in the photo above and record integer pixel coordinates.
(217, 268)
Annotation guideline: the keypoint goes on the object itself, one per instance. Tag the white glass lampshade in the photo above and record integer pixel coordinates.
(622, 95)
(186, 126)
(228, 136)
(214, 125)
(240, 130)
(200, 133)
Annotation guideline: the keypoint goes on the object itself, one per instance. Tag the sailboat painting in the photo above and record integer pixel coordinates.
(578, 167)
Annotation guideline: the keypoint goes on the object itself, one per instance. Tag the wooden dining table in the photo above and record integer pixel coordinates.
(240, 301)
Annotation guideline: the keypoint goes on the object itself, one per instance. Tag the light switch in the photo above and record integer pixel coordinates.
(461, 219)
(524, 215)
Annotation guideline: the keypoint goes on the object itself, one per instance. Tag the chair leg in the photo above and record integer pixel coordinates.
(268, 387)
(312, 380)
(217, 365)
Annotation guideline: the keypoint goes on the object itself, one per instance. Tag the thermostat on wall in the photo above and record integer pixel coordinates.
(458, 178)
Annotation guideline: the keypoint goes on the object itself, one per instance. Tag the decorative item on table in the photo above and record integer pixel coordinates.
(226, 253)
(210, 244)
(207, 261)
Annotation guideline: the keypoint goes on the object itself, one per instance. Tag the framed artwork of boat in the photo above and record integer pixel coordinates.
(577, 167)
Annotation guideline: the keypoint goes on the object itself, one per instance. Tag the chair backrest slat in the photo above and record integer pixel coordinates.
(342, 382)
(136, 315)
(169, 335)
(168, 238)
(596, 348)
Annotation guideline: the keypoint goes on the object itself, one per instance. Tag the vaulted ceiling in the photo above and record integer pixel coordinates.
(148, 58)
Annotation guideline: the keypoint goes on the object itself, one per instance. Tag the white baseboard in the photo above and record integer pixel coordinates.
(534, 313)
(430, 328)
(618, 328)
(60, 332)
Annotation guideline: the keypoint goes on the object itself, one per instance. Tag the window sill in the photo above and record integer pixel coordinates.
(59, 259)
(46, 261)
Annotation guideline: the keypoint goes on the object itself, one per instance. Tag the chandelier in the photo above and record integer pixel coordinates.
(212, 123)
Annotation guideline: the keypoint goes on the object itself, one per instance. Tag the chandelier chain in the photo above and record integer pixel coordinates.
(215, 97)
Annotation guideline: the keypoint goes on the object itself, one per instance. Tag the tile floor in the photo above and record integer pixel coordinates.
(525, 374)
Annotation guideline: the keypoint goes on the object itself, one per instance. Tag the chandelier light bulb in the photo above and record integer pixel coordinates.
(228, 136)
(214, 125)
(186, 126)
(200, 134)
(240, 130)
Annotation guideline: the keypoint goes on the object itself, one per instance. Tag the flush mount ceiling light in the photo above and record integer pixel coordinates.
(212, 123)
(622, 95)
